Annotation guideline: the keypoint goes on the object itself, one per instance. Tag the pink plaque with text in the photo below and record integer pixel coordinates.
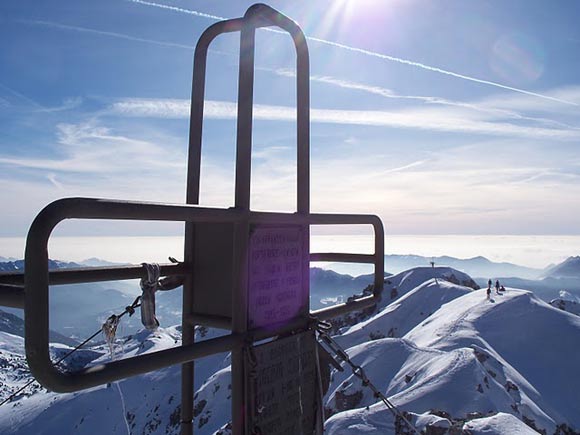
(277, 288)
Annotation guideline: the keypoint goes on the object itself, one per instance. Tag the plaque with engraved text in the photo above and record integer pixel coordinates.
(283, 386)
(277, 288)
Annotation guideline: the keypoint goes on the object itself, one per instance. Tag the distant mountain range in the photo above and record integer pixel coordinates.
(552, 281)
(18, 265)
(476, 266)
(15, 325)
(77, 310)
(570, 268)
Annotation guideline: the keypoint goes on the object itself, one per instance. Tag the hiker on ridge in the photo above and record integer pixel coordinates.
(488, 289)
(497, 286)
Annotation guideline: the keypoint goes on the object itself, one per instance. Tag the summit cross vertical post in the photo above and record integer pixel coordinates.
(257, 16)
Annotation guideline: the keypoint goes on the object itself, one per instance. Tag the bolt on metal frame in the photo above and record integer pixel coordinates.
(31, 290)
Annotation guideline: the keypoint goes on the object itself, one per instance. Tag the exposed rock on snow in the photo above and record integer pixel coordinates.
(567, 305)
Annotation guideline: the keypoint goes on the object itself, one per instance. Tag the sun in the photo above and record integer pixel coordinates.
(342, 15)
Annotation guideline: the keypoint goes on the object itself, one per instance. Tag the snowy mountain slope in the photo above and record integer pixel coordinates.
(418, 380)
(406, 281)
(404, 313)
(396, 286)
(472, 357)
(147, 404)
(13, 367)
(212, 408)
(522, 329)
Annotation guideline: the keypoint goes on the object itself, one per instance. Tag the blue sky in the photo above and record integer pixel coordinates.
(443, 117)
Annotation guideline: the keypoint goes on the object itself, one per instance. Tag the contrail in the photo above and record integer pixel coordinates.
(21, 96)
(176, 9)
(104, 33)
(377, 55)
(438, 70)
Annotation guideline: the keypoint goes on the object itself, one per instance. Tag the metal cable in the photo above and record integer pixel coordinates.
(359, 372)
(128, 309)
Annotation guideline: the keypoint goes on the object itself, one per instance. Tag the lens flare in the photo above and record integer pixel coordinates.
(518, 58)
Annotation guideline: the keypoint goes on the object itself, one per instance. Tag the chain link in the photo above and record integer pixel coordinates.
(359, 372)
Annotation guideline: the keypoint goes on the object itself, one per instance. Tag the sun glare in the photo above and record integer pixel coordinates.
(352, 16)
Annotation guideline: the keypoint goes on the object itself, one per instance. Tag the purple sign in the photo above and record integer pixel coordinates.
(276, 290)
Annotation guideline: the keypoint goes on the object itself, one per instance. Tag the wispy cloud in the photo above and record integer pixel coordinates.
(521, 103)
(479, 187)
(426, 119)
(67, 104)
(92, 149)
(485, 106)
(377, 55)
(473, 189)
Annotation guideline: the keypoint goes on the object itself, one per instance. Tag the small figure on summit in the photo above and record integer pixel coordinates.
(497, 286)
(488, 289)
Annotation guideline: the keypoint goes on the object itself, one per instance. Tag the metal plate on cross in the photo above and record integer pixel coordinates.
(282, 383)
(278, 285)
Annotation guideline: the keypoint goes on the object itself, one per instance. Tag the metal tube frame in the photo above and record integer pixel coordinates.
(38, 278)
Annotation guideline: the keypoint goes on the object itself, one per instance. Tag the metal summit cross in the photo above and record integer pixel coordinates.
(243, 270)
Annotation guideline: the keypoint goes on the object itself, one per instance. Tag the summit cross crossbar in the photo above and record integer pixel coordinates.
(227, 252)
